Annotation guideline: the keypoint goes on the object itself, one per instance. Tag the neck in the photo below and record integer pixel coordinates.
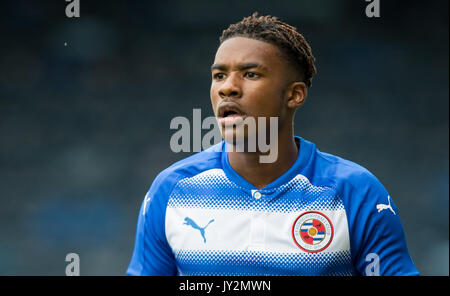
(249, 166)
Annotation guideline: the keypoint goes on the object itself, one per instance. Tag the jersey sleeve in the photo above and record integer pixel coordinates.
(152, 254)
(377, 240)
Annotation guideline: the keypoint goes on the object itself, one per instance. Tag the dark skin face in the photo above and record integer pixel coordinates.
(252, 78)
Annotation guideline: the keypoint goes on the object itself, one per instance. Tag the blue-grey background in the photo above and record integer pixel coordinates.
(85, 107)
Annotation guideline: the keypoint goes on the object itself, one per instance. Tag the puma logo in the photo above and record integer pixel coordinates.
(381, 207)
(190, 222)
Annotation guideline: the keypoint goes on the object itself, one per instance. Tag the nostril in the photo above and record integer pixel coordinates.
(229, 92)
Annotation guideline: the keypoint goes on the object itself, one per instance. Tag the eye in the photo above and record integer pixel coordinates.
(218, 76)
(251, 75)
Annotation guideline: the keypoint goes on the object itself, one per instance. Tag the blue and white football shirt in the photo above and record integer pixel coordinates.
(324, 216)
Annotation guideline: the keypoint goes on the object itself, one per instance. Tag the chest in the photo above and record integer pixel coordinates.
(257, 234)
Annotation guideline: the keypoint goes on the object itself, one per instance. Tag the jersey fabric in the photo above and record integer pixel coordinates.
(324, 216)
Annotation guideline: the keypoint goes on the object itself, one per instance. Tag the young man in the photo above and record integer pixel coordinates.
(224, 212)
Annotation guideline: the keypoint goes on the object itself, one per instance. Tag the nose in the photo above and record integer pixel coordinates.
(230, 88)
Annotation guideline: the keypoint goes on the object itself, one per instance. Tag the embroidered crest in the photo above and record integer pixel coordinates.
(312, 232)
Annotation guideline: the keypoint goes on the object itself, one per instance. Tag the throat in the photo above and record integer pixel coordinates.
(249, 166)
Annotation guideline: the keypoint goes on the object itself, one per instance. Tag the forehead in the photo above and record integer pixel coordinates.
(238, 50)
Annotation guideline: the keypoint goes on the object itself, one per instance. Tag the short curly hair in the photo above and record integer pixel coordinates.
(291, 43)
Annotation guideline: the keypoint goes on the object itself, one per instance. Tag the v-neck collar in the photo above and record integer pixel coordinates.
(304, 154)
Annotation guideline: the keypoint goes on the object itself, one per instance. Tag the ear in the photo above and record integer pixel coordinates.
(296, 95)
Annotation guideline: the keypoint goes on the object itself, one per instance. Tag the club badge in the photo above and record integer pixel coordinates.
(312, 232)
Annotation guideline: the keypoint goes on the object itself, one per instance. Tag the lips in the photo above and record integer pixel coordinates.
(230, 114)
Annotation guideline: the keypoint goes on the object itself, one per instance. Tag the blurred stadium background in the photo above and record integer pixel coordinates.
(85, 107)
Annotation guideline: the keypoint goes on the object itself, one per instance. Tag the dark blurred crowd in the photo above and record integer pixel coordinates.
(86, 103)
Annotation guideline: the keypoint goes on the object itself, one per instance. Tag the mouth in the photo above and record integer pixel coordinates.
(230, 115)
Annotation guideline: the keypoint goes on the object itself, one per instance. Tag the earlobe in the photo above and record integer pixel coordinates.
(297, 95)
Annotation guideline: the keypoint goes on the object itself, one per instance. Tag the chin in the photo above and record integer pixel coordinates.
(240, 141)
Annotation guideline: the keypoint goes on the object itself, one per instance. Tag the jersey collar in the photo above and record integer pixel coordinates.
(300, 165)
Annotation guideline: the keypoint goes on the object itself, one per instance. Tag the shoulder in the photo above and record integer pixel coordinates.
(354, 183)
(187, 167)
(343, 170)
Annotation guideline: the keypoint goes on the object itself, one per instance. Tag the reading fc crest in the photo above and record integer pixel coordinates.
(312, 232)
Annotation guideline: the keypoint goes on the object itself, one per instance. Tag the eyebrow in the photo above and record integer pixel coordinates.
(243, 66)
